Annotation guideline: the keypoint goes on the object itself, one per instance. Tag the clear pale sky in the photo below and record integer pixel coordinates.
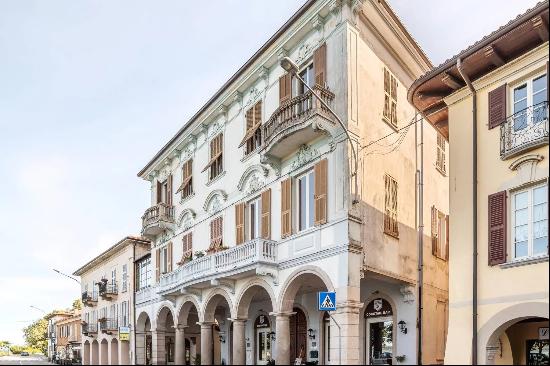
(90, 90)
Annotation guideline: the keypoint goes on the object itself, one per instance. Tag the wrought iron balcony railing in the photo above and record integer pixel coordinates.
(107, 289)
(524, 130)
(88, 329)
(89, 298)
(157, 218)
(108, 325)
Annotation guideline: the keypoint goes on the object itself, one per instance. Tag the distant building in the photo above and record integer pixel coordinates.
(108, 281)
(498, 132)
(69, 339)
(52, 319)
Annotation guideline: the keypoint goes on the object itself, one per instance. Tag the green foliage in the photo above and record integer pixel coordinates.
(16, 350)
(35, 335)
(77, 304)
(197, 360)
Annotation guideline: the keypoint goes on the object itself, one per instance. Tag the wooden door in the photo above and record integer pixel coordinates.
(298, 336)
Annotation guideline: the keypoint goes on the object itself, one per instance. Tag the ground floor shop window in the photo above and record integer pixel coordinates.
(379, 331)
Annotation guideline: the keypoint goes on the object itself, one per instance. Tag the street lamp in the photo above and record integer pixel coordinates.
(289, 66)
(37, 308)
(66, 275)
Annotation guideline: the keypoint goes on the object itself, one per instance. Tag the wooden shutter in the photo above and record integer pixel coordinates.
(286, 208)
(497, 106)
(159, 192)
(447, 237)
(320, 195)
(497, 228)
(169, 251)
(320, 64)
(266, 214)
(285, 88)
(216, 232)
(434, 231)
(169, 190)
(239, 222)
(157, 276)
(547, 82)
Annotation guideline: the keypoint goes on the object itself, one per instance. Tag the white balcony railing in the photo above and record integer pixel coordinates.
(241, 257)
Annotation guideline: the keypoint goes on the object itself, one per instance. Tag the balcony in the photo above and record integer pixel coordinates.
(257, 256)
(89, 329)
(108, 326)
(297, 122)
(156, 219)
(89, 298)
(524, 130)
(107, 290)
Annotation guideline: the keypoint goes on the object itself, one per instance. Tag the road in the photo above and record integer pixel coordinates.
(28, 360)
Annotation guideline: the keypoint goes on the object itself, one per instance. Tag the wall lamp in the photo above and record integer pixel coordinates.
(272, 335)
(402, 326)
(222, 338)
(311, 333)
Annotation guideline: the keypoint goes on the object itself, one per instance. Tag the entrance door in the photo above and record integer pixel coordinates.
(298, 336)
(262, 328)
(326, 339)
(380, 341)
(149, 350)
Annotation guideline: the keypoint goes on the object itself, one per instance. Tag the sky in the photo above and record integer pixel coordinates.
(91, 90)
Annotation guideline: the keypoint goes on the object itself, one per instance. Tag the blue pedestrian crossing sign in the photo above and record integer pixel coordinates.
(327, 301)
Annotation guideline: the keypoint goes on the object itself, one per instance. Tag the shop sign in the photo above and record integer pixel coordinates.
(378, 307)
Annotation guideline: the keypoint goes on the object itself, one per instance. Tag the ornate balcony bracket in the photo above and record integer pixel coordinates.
(191, 291)
(270, 272)
(228, 284)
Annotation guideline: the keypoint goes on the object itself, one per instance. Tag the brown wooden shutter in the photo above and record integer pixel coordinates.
(157, 276)
(239, 222)
(434, 231)
(159, 192)
(497, 106)
(320, 64)
(286, 208)
(266, 214)
(447, 237)
(285, 88)
(170, 251)
(320, 196)
(547, 82)
(249, 119)
(169, 190)
(497, 228)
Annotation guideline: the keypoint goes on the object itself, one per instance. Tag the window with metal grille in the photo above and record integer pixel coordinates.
(390, 98)
(441, 162)
(391, 226)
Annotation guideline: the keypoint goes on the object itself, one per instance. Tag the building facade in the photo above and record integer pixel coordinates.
(256, 207)
(491, 100)
(53, 318)
(108, 290)
(69, 339)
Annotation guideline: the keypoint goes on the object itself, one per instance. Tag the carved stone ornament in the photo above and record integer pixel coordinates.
(252, 179)
(408, 294)
(214, 201)
(274, 163)
(214, 129)
(526, 167)
(304, 52)
(185, 219)
(253, 96)
(304, 155)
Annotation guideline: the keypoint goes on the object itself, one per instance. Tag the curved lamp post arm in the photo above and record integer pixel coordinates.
(66, 275)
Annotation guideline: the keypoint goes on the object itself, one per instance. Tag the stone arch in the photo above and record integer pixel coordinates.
(95, 353)
(113, 360)
(141, 321)
(182, 312)
(253, 178)
(246, 295)
(86, 349)
(214, 299)
(162, 315)
(104, 352)
(489, 333)
(186, 219)
(214, 201)
(291, 286)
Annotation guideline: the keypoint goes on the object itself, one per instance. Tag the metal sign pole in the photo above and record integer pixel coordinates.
(339, 339)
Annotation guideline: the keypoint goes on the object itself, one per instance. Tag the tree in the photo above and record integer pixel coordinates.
(36, 335)
(77, 304)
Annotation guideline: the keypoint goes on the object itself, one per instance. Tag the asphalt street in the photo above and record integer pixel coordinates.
(26, 360)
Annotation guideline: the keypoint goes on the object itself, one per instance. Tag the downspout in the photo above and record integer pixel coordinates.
(474, 208)
(133, 307)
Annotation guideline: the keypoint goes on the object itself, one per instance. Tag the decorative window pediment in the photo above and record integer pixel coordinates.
(214, 201)
(186, 219)
(253, 179)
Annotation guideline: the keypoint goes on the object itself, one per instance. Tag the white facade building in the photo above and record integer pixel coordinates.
(254, 209)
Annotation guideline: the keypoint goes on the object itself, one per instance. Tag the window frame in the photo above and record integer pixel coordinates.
(530, 223)
(528, 82)
(254, 142)
(124, 277)
(163, 260)
(297, 86)
(391, 207)
(187, 189)
(216, 167)
(389, 110)
(144, 273)
(256, 231)
(310, 200)
(441, 154)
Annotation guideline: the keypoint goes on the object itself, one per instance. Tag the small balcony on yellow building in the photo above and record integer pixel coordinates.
(524, 131)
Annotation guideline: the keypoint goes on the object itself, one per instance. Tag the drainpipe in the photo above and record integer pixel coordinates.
(474, 208)
(133, 307)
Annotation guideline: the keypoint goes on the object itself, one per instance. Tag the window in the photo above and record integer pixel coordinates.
(530, 222)
(113, 277)
(308, 76)
(253, 135)
(187, 247)
(441, 162)
(144, 273)
(215, 165)
(306, 200)
(390, 98)
(531, 93)
(440, 234)
(390, 210)
(124, 310)
(113, 312)
(254, 218)
(186, 187)
(216, 234)
(124, 277)
(164, 259)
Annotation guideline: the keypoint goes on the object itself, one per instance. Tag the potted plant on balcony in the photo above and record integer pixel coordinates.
(185, 259)
(199, 254)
